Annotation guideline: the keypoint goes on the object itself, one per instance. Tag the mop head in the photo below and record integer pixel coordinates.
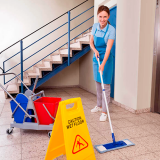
(114, 145)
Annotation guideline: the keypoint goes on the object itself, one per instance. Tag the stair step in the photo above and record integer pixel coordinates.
(76, 46)
(87, 34)
(34, 74)
(64, 53)
(85, 40)
(13, 88)
(57, 59)
(26, 81)
(47, 66)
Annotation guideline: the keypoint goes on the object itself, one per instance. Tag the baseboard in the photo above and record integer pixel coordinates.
(145, 110)
(86, 89)
(49, 87)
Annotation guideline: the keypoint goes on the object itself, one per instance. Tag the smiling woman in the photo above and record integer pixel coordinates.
(101, 42)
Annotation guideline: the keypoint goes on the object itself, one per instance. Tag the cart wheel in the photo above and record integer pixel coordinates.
(49, 134)
(9, 130)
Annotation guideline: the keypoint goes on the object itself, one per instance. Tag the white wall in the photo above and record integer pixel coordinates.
(86, 80)
(127, 52)
(67, 77)
(20, 18)
(146, 44)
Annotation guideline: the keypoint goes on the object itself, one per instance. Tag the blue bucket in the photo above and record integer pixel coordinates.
(19, 113)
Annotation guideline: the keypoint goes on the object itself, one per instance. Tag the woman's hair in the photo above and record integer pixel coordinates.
(103, 8)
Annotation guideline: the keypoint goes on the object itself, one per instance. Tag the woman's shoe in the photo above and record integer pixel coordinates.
(96, 109)
(103, 117)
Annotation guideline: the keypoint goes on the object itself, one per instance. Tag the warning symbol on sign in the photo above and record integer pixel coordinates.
(79, 144)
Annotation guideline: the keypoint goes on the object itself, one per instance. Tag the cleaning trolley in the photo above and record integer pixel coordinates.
(32, 111)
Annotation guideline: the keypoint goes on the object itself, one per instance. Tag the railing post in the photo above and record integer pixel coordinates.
(4, 72)
(21, 60)
(68, 38)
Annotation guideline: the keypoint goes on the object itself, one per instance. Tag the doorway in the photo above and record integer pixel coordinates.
(112, 20)
(155, 94)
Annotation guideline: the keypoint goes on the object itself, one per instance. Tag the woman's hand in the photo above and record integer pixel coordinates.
(101, 68)
(96, 54)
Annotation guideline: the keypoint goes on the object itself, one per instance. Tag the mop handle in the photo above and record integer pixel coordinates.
(105, 98)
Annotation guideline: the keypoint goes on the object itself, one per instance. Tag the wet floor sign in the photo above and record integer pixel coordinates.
(70, 133)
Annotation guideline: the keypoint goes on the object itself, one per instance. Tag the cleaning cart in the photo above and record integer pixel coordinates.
(32, 111)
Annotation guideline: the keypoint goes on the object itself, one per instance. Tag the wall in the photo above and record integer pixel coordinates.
(86, 80)
(67, 77)
(127, 52)
(146, 42)
(20, 18)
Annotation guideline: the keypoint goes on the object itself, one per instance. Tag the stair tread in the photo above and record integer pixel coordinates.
(33, 74)
(12, 88)
(75, 45)
(56, 58)
(26, 80)
(86, 38)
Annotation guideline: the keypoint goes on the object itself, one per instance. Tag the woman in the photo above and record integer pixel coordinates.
(101, 42)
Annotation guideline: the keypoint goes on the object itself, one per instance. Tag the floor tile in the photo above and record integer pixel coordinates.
(114, 108)
(132, 151)
(6, 114)
(120, 123)
(91, 128)
(35, 158)
(148, 117)
(5, 120)
(3, 129)
(33, 135)
(136, 131)
(111, 155)
(152, 143)
(137, 120)
(92, 118)
(14, 138)
(119, 135)
(152, 128)
(34, 149)
(96, 136)
(102, 126)
(150, 156)
(12, 152)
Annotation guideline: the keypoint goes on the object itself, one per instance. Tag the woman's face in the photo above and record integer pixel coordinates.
(103, 18)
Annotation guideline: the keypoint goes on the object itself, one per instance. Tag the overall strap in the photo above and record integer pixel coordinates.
(95, 31)
(106, 30)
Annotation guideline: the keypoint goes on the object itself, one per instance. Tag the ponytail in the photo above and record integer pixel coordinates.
(109, 22)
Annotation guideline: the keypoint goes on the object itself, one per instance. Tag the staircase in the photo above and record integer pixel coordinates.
(50, 64)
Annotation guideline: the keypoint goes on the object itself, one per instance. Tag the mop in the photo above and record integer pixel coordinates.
(115, 144)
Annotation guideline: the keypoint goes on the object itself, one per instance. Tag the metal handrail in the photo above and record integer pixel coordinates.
(43, 26)
(81, 23)
(37, 51)
(48, 44)
(36, 41)
(69, 30)
(47, 34)
(82, 13)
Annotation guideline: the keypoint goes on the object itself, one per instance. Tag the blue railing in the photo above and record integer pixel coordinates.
(22, 49)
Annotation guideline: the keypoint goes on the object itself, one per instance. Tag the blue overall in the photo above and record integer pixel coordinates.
(101, 46)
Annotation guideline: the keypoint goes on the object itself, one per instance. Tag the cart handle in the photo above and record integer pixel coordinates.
(16, 102)
(48, 112)
(41, 92)
(15, 75)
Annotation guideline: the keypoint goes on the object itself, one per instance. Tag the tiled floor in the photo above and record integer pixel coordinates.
(142, 129)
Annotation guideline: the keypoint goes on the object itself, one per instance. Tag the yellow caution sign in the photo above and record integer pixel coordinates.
(70, 133)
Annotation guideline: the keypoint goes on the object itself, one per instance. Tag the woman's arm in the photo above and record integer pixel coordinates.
(93, 47)
(108, 50)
